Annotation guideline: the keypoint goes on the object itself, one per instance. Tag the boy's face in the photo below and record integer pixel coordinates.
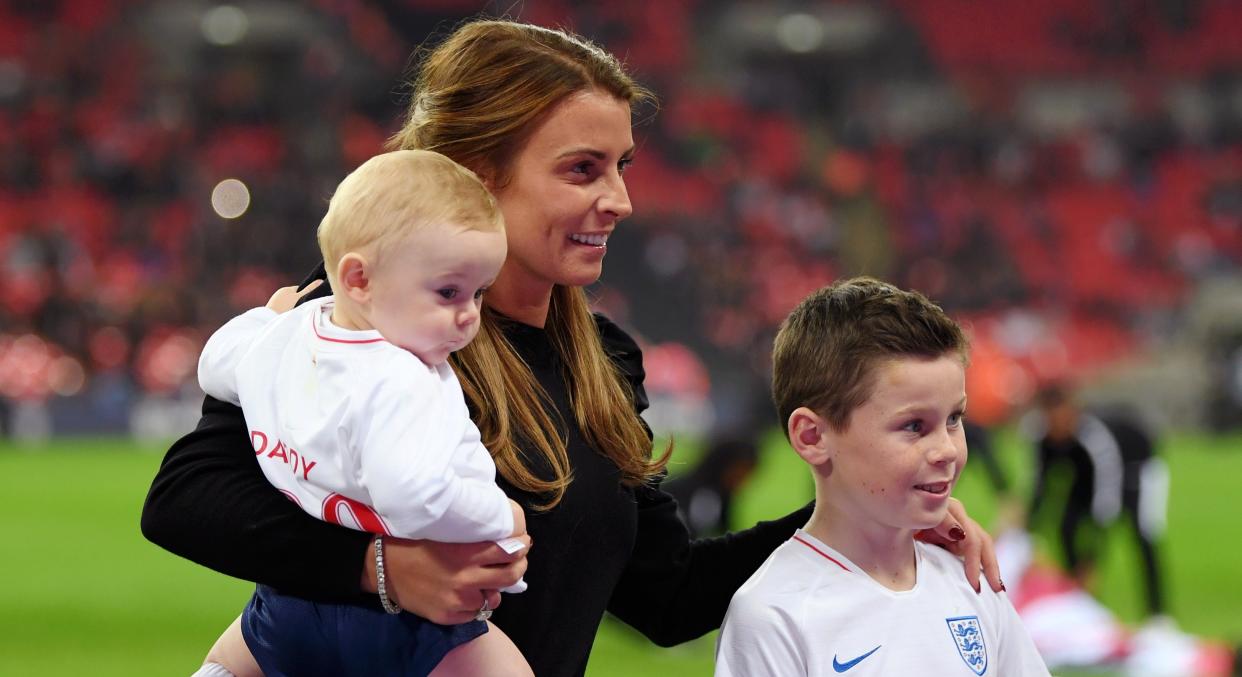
(427, 294)
(903, 449)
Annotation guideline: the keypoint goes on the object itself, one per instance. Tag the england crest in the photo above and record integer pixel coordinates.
(968, 635)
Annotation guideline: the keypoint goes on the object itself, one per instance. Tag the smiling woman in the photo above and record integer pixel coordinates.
(566, 196)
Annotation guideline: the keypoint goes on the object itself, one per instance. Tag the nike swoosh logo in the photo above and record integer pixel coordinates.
(842, 667)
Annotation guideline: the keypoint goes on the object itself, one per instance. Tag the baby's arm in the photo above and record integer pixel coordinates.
(422, 463)
(217, 366)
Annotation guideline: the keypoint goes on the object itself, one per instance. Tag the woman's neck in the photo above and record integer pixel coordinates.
(885, 553)
(520, 298)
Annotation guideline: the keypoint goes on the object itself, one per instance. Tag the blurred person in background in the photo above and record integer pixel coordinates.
(705, 494)
(544, 118)
(1108, 468)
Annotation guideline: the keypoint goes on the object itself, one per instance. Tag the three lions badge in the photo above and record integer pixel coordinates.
(968, 635)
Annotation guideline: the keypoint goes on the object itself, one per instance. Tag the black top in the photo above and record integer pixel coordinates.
(604, 547)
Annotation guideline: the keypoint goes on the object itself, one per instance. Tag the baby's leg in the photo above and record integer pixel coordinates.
(231, 652)
(491, 653)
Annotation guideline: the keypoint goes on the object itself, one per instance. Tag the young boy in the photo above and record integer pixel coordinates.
(870, 380)
(355, 415)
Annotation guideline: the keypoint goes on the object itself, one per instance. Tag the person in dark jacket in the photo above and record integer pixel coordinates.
(1110, 470)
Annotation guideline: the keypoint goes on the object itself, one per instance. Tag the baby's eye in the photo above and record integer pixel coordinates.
(479, 294)
(956, 419)
(447, 293)
(915, 426)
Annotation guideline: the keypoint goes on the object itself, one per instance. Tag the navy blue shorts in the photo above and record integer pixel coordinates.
(292, 637)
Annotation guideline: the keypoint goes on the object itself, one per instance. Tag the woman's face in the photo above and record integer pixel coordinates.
(566, 194)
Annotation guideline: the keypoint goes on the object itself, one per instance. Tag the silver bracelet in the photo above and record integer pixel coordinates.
(379, 578)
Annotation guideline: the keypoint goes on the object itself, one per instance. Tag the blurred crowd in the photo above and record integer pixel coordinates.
(1061, 174)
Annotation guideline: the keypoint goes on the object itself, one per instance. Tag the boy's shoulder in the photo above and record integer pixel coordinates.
(939, 564)
(795, 570)
(942, 569)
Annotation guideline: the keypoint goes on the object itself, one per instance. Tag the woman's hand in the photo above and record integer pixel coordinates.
(445, 583)
(286, 298)
(962, 536)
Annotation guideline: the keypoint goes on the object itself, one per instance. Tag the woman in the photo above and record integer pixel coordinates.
(544, 118)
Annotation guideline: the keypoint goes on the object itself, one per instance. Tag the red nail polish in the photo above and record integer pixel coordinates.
(957, 534)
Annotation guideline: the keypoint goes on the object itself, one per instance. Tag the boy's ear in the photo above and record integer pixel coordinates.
(808, 433)
(353, 271)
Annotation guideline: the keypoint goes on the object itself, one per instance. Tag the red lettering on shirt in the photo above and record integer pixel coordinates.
(362, 514)
(257, 448)
(260, 440)
(279, 451)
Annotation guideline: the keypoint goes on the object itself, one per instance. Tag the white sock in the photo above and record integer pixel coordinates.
(212, 670)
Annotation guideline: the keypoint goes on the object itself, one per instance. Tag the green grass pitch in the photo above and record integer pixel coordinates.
(85, 593)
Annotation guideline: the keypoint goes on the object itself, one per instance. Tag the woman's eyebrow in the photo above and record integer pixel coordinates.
(593, 152)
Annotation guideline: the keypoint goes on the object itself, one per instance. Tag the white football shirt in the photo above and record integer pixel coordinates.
(810, 611)
(354, 429)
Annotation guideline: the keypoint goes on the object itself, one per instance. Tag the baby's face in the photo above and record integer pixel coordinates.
(427, 295)
(900, 456)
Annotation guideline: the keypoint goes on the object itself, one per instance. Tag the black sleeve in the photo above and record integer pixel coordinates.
(627, 357)
(674, 588)
(1043, 458)
(211, 504)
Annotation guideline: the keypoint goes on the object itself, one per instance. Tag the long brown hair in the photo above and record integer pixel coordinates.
(477, 98)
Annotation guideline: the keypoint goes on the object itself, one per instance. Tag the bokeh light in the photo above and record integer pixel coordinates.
(224, 25)
(230, 198)
(800, 32)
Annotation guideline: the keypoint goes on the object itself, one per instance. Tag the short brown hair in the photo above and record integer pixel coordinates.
(826, 353)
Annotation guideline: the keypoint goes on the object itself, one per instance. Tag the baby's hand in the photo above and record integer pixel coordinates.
(286, 298)
(519, 518)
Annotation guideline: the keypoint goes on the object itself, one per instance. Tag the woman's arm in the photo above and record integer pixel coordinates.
(211, 504)
(675, 589)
